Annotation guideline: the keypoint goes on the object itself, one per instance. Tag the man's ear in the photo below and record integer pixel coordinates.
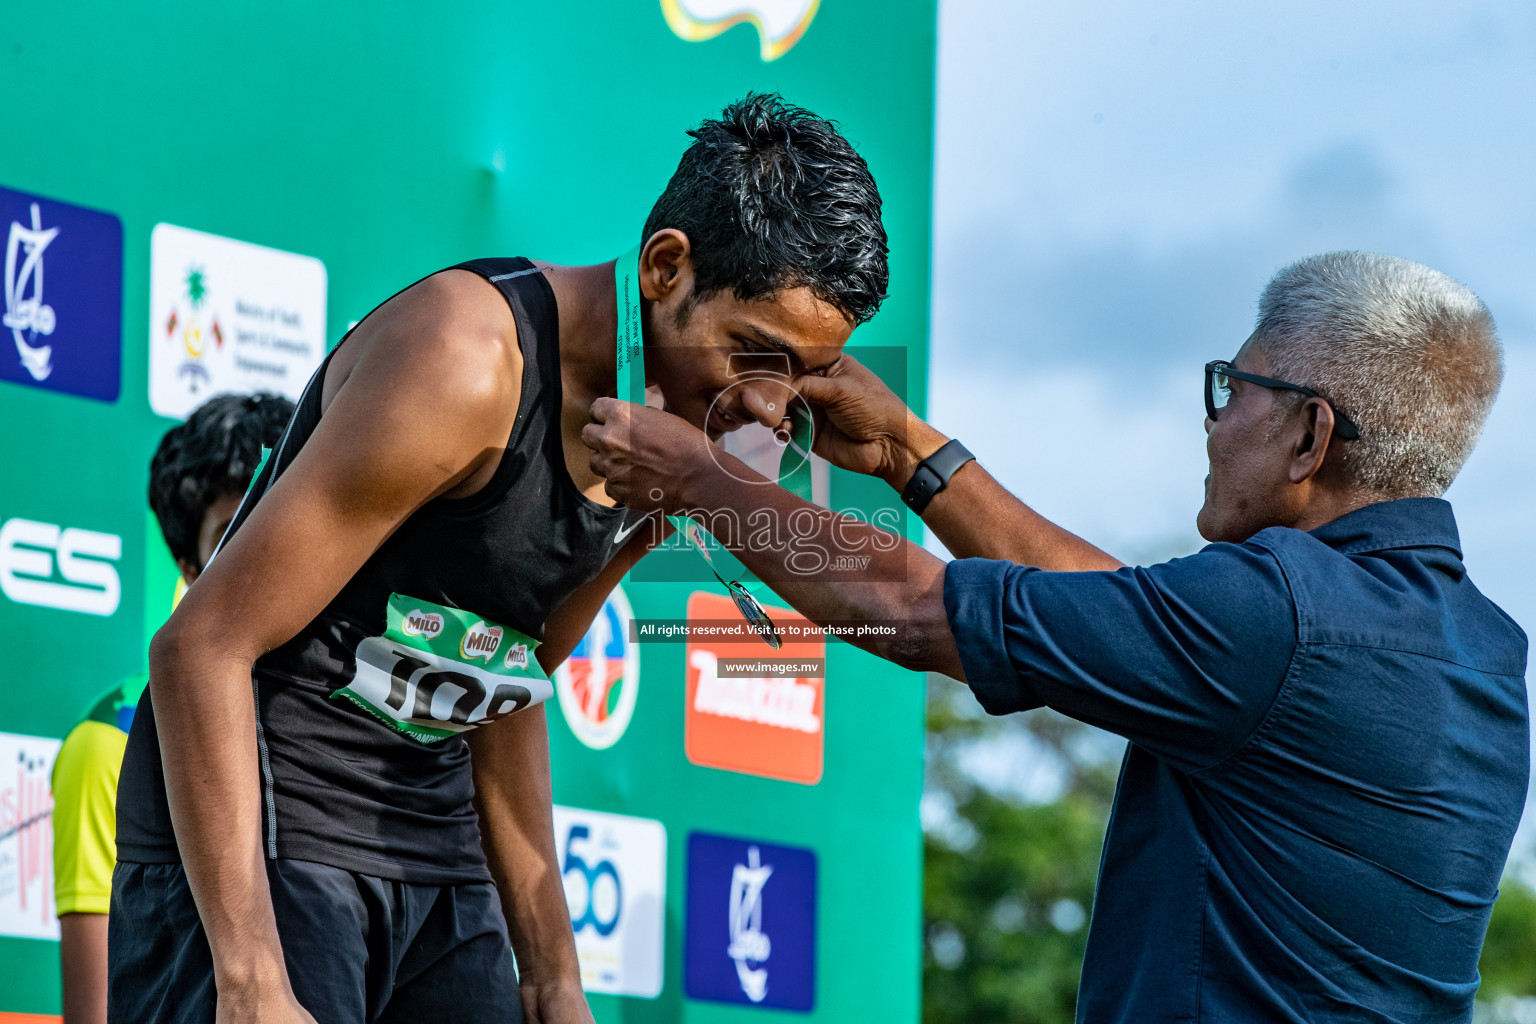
(1309, 448)
(189, 572)
(666, 265)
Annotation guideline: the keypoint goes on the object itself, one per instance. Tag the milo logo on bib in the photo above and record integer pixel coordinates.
(435, 671)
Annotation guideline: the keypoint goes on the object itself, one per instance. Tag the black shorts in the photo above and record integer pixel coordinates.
(359, 949)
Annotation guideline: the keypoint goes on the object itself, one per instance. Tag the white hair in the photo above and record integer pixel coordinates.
(1408, 354)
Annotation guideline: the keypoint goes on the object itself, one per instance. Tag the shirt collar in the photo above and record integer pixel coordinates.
(1404, 523)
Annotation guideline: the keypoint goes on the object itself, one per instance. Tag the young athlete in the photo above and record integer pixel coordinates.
(425, 543)
(196, 480)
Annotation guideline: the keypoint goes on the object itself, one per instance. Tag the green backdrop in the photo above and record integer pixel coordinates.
(390, 139)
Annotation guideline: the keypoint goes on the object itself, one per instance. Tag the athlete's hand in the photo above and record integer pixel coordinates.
(648, 458)
(556, 1004)
(863, 427)
(279, 1008)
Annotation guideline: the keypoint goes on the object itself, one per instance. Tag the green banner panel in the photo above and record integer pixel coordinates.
(202, 197)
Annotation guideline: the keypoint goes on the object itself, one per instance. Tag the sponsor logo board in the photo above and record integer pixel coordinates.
(751, 923)
(614, 869)
(770, 726)
(600, 682)
(62, 302)
(67, 568)
(229, 316)
(26, 837)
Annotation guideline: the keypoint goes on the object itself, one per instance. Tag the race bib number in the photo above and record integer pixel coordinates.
(437, 672)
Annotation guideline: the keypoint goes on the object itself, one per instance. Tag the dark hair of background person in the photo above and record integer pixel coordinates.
(214, 453)
(772, 196)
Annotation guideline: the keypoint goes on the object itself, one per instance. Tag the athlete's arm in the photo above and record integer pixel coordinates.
(569, 622)
(430, 398)
(642, 452)
(867, 429)
(513, 796)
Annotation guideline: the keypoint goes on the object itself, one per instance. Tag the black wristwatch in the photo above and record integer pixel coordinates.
(932, 475)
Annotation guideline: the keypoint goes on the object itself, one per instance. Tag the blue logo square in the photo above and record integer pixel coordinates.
(61, 299)
(751, 931)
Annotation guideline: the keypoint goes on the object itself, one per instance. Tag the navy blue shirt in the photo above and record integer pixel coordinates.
(1328, 757)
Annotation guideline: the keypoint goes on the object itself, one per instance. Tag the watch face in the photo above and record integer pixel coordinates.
(753, 612)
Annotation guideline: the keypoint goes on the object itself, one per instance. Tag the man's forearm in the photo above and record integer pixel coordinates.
(206, 719)
(977, 517)
(900, 584)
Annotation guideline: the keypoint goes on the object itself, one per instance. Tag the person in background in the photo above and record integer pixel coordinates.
(196, 479)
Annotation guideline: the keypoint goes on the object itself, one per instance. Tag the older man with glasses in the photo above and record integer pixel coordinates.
(1328, 730)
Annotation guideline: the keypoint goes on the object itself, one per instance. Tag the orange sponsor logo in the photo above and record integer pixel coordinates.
(758, 726)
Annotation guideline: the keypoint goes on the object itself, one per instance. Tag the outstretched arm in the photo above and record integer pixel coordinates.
(865, 428)
(642, 452)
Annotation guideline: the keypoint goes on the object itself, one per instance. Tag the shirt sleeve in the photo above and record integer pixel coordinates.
(85, 817)
(1183, 659)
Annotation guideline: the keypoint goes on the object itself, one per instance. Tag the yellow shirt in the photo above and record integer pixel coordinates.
(85, 803)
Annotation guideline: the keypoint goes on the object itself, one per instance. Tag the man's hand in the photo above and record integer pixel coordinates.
(556, 1004)
(863, 427)
(649, 458)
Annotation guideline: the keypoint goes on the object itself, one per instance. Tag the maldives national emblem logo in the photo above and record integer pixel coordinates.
(195, 327)
(600, 682)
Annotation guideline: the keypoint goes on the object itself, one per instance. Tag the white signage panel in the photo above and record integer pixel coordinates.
(229, 316)
(26, 837)
(614, 868)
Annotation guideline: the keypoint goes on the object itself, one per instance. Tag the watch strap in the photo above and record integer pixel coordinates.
(932, 475)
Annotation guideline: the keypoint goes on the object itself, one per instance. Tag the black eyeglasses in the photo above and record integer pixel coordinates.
(1218, 389)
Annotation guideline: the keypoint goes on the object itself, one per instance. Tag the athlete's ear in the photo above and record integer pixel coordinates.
(189, 572)
(666, 266)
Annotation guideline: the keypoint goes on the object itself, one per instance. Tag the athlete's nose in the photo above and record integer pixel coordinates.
(768, 401)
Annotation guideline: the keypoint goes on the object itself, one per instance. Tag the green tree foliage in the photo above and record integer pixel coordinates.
(1009, 880)
(1508, 966)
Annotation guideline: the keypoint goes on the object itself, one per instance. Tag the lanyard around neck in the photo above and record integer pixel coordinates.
(629, 345)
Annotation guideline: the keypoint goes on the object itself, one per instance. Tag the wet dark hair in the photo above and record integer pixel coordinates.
(214, 453)
(772, 196)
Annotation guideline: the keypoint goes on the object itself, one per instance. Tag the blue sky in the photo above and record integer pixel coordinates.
(1116, 181)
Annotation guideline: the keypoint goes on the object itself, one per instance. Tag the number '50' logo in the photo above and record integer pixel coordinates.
(593, 893)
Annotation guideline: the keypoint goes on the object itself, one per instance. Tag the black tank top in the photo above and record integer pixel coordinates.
(338, 786)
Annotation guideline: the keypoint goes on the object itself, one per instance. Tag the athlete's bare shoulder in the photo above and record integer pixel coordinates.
(454, 319)
(441, 359)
